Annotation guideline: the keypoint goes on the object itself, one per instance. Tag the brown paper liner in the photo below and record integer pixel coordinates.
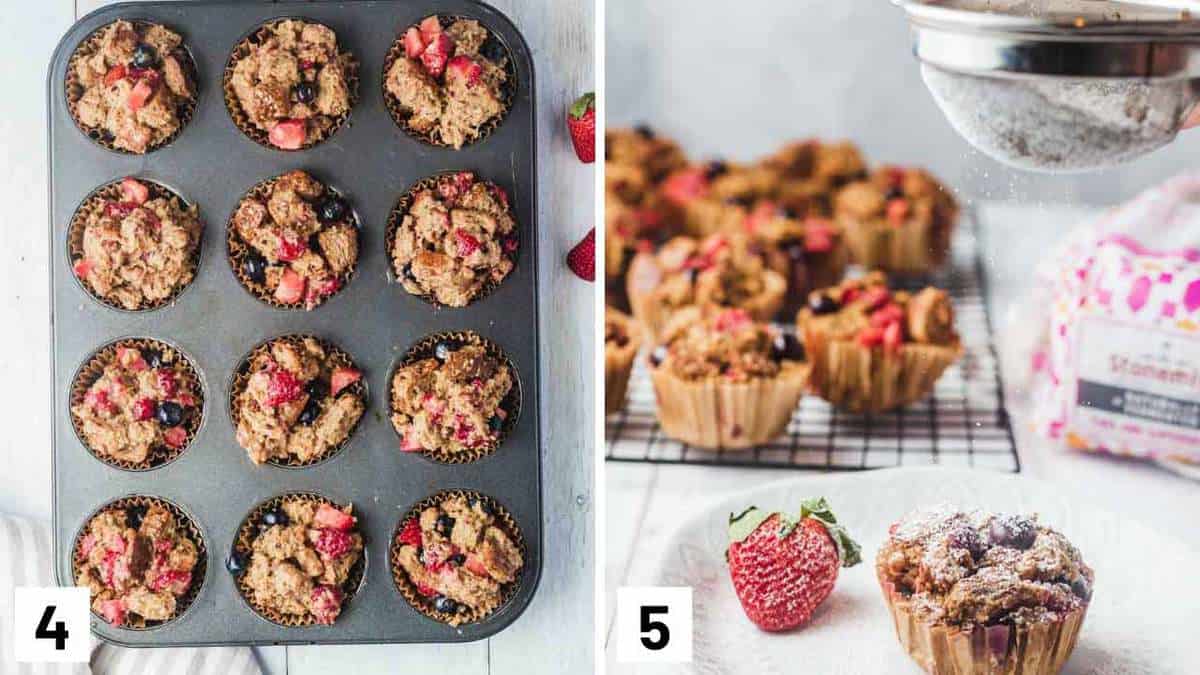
(720, 415)
(93, 368)
(188, 529)
(248, 531)
(241, 377)
(618, 363)
(409, 590)
(1037, 649)
(396, 219)
(74, 90)
(112, 192)
(237, 250)
(511, 403)
(400, 116)
(242, 121)
(910, 249)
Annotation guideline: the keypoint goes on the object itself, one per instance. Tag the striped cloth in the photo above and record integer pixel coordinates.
(26, 560)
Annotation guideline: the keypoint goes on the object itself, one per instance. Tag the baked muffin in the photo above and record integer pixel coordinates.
(809, 251)
(136, 404)
(131, 86)
(713, 197)
(975, 592)
(298, 560)
(447, 80)
(135, 245)
(900, 220)
(729, 270)
(724, 381)
(453, 238)
(457, 559)
(808, 173)
(289, 86)
(874, 349)
(296, 401)
(622, 337)
(140, 562)
(293, 241)
(643, 148)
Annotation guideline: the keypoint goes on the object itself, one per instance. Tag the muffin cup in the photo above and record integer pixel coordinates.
(408, 589)
(396, 219)
(1038, 649)
(511, 403)
(93, 368)
(618, 365)
(74, 90)
(237, 251)
(242, 121)
(911, 249)
(720, 415)
(188, 528)
(248, 531)
(112, 192)
(400, 117)
(241, 377)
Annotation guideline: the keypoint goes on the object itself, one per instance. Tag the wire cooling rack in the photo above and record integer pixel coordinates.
(962, 423)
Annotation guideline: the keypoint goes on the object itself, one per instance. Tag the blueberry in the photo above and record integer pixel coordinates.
(658, 355)
(237, 562)
(331, 209)
(715, 168)
(310, 413)
(255, 268)
(444, 525)
(442, 351)
(274, 517)
(316, 389)
(1012, 531)
(457, 559)
(169, 413)
(443, 604)
(644, 131)
(153, 358)
(134, 515)
(1081, 588)
(786, 346)
(407, 272)
(495, 423)
(306, 92)
(968, 538)
(492, 50)
(822, 304)
(144, 56)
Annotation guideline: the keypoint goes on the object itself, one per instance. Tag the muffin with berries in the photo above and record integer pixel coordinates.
(142, 559)
(809, 172)
(622, 338)
(723, 380)
(809, 251)
(298, 559)
(289, 85)
(712, 197)
(873, 348)
(134, 244)
(979, 592)
(452, 238)
(645, 149)
(448, 81)
(293, 241)
(136, 404)
(131, 86)
(900, 220)
(296, 401)
(457, 557)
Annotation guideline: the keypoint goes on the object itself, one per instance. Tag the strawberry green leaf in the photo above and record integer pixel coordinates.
(819, 510)
(582, 105)
(741, 525)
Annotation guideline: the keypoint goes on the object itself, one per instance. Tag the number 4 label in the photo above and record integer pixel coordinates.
(51, 625)
(654, 624)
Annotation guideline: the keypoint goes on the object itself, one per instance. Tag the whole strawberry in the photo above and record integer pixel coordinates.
(581, 120)
(782, 569)
(582, 258)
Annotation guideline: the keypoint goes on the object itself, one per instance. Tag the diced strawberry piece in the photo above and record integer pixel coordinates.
(119, 209)
(87, 544)
(877, 297)
(148, 75)
(849, 295)
(893, 336)
(414, 43)
(431, 27)
(333, 544)
(411, 533)
(113, 611)
(114, 75)
(341, 378)
(175, 581)
(818, 236)
(682, 187)
(499, 194)
(83, 267)
(466, 243)
(288, 134)
(326, 604)
(131, 358)
(762, 213)
(284, 387)
(889, 313)
(871, 336)
(141, 92)
(427, 591)
(897, 211)
(463, 68)
(135, 191)
(143, 409)
(475, 565)
(166, 382)
(408, 441)
(320, 288)
(290, 246)
(732, 319)
(437, 53)
(175, 437)
(98, 399)
(331, 517)
(291, 287)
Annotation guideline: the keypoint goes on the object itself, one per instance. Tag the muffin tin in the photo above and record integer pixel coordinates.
(216, 322)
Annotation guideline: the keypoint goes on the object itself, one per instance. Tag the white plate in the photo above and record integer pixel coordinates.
(1143, 618)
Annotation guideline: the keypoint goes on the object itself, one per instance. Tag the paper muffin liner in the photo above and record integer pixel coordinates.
(511, 403)
(409, 590)
(237, 250)
(340, 358)
(74, 89)
(242, 121)
(396, 219)
(861, 379)
(186, 526)
(93, 202)
(654, 315)
(93, 368)
(618, 365)
(248, 531)
(721, 415)
(1038, 649)
(400, 116)
(910, 249)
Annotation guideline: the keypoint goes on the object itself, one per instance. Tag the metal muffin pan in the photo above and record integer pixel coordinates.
(216, 322)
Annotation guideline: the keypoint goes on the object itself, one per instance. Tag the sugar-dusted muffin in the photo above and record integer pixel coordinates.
(622, 338)
(977, 592)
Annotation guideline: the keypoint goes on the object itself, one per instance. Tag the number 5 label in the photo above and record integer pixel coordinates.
(51, 625)
(654, 624)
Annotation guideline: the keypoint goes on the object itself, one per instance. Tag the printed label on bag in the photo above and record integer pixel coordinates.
(51, 625)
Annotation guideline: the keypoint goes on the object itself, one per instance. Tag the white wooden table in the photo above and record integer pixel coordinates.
(555, 634)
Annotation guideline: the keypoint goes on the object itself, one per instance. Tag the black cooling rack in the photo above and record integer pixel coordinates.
(962, 423)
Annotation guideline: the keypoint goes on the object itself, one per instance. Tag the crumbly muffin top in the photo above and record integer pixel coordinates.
(450, 81)
(138, 251)
(455, 240)
(898, 197)
(722, 269)
(134, 84)
(866, 310)
(301, 237)
(293, 83)
(830, 164)
(459, 557)
(136, 561)
(968, 568)
(701, 343)
(778, 224)
(642, 147)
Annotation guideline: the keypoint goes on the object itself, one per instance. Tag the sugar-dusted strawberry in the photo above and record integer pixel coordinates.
(414, 43)
(581, 121)
(783, 568)
(464, 69)
(430, 28)
(332, 517)
(114, 75)
(341, 378)
(288, 134)
(141, 92)
(437, 53)
(135, 191)
(175, 437)
(291, 287)
(411, 533)
(582, 257)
